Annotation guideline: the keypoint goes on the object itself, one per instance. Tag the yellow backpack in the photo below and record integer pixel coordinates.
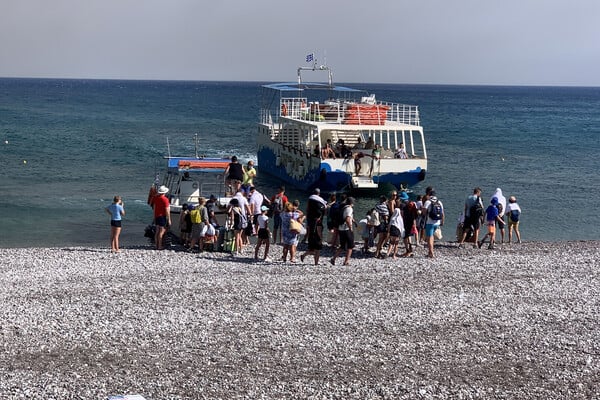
(195, 216)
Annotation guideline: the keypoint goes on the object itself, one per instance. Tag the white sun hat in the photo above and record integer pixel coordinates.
(163, 189)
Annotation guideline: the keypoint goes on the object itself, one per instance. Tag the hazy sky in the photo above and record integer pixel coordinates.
(516, 42)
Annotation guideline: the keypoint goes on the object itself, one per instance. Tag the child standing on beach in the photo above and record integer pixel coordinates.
(116, 212)
(491, 217)
(263, 233)
(514, 215)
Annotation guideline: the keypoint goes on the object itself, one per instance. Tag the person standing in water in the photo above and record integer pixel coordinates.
(116, 212)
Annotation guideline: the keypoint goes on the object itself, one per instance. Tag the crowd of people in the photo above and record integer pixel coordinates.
(393, 227)
(497, 215)
(394, 223)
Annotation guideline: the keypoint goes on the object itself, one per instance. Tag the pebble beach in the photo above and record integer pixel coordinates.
(518, 322)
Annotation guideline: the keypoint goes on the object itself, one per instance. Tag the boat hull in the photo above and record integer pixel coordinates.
(308, 172)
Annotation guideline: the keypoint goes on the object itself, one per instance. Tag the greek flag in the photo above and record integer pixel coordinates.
(310, 57)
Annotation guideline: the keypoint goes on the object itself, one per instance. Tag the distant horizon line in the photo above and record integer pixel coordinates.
(265, 81)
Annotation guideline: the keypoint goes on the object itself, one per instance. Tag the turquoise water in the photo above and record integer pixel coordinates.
(68, 146)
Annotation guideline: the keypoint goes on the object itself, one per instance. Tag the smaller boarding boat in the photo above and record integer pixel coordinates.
(189, 178)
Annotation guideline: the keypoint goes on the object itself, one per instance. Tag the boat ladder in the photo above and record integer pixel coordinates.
(363, 182)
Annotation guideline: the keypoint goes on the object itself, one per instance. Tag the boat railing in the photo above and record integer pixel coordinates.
(403, 113)
(345, 112)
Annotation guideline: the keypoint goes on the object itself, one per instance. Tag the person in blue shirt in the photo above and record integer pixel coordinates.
(116, 212)
(491, 216)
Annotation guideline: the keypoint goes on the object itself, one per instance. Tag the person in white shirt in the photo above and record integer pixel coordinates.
(246, 212)
(401, 152)
(255, 202)
(263, 233)
(513, 211)
(346, 232)
(395, 231)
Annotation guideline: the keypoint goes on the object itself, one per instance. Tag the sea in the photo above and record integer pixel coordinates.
(68, 146)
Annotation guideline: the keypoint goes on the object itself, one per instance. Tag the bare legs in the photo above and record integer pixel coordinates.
(114, 238)
(259, 243)
(291, 249)
(510, 229)
(158, 238)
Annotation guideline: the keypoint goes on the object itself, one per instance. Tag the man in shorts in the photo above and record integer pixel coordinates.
(432, 222)
(162, 215)
(472, 223)
(346, 232)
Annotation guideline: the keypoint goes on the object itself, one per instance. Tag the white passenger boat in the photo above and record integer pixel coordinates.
(298, 119)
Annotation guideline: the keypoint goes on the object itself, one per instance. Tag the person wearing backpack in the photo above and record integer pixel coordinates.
(199, 218)
(290, 235)
(435, 219)
(473, 213)
(513, 211)
(247, 216)
(238, 221)
(278, 202)
(382, 209)
(346, 232)
(334, 218)
(315, 211)
(410, 214)
(423, 212)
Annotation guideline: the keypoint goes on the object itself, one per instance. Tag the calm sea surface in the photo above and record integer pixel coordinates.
(68, 146)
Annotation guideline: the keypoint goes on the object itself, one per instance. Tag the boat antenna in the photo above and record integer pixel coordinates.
(196, 144)
(168, 148)
(315, 67)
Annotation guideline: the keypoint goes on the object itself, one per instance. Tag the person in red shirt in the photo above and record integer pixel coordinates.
(162, 215)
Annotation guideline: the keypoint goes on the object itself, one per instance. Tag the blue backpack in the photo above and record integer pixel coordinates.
(435, 211)
(514, 215)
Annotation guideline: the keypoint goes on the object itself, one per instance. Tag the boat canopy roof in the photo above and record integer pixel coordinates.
(294, 86)
(192, 164)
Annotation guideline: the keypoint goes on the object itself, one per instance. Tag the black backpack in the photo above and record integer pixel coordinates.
(476, 210)
(514, 215)
(277, 205)
(336, 214)
(435, 211)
